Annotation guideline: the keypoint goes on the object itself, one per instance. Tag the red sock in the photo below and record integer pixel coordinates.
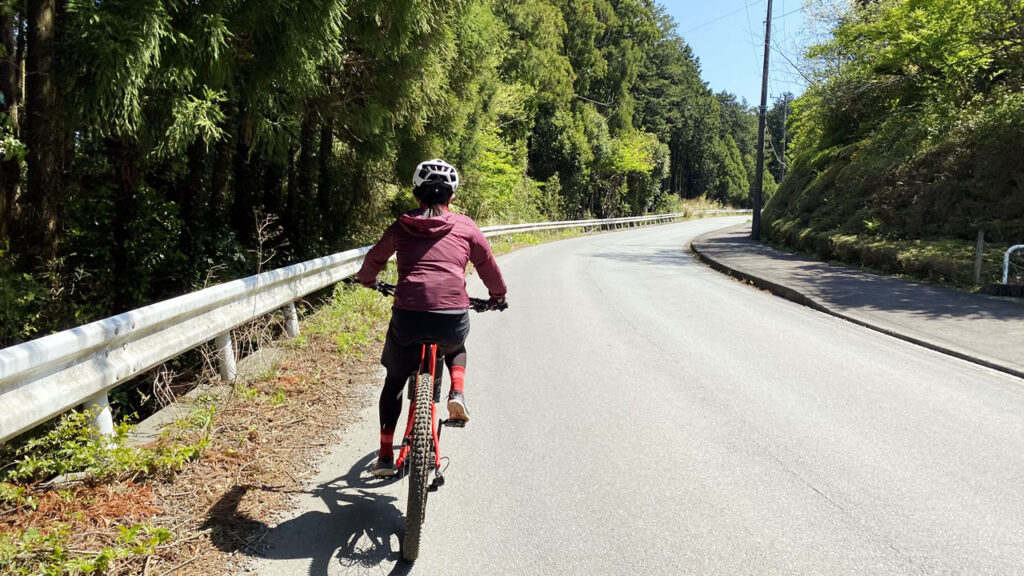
(387, 440)
(458, 374)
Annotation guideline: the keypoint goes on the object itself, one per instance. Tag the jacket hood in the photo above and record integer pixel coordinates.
(414, 223)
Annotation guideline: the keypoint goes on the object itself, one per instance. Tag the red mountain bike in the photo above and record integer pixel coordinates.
(421, 445)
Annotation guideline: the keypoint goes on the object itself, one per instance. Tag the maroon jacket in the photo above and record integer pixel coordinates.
(432, 258)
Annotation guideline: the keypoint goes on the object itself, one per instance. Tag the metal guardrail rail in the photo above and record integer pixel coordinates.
(1006, 262)
(48, 376)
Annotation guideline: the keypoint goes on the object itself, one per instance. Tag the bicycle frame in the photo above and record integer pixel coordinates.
(417, 466)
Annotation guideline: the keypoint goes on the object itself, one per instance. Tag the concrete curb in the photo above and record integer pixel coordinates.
(795, 295)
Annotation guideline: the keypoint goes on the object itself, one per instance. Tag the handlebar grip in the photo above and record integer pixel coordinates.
(481, 305)
(477, 304)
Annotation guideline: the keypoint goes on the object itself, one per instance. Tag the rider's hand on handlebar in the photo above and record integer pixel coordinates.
(497, 303)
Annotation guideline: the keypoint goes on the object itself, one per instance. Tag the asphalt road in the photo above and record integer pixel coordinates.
(635, 412)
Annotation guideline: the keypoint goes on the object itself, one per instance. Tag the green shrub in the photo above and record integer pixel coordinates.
(45, 552)
(73, 445)
(943, 261)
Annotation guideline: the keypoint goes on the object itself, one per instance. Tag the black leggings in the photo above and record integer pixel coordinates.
(401, 356)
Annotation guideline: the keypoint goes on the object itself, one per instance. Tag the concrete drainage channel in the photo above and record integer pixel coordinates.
(150, 429)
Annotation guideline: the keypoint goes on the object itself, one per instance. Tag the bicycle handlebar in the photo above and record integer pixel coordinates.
(477, 304)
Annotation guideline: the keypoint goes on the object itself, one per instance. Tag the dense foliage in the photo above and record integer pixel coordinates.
(150, 147)
(914, 129)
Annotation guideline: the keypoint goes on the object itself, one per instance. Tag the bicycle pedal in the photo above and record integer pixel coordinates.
(454, 423)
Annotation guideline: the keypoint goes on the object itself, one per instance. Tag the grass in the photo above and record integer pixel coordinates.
(353, 319)
(948, 262)
(512, 242)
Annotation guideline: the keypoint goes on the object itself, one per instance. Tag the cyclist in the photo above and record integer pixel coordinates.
(433, 247)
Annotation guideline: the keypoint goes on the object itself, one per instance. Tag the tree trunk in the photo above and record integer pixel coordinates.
(220, 181)
(10, 87)
(301, 170)
(324, 189)
(307, 231)
(193, 205)
(673, 169)
(126, 210)
(245, 204)
(41, 206)
(291, 203)
(275, 189)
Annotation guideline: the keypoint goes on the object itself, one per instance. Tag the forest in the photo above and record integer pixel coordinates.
(909, 142)
(152, 147)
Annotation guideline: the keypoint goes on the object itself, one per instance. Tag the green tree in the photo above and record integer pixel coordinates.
(778, 136)
(905, 131)
(676, 105)
(164, 145)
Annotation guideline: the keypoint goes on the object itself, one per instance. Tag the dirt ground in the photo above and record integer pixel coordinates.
(268, 436)
(263, 453)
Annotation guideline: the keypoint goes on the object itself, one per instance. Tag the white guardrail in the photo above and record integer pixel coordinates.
(1006, 262)
(48, 376)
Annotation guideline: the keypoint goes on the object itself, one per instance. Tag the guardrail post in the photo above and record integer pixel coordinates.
(102, 419)
(291, 320)
(1006, 262)
(226, 357)
(978, 256)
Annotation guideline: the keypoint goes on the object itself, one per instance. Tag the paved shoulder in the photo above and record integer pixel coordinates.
(978, 328)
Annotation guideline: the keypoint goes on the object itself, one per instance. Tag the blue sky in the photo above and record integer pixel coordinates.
(728, 38)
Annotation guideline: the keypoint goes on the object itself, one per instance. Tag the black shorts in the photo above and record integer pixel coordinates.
(410, 329)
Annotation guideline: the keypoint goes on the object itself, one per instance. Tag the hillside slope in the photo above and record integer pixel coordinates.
(913, 144)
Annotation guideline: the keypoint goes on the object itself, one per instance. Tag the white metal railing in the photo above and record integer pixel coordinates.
(1006, 262)
(45, 377)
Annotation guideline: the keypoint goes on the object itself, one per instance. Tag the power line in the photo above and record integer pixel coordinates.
(723, 16)
(784, 34)
(791, 12)
(782, 53)
(750, 32)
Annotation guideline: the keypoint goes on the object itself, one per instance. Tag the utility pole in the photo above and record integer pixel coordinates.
(755, 229)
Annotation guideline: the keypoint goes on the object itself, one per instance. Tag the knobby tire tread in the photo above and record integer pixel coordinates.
(421, 458)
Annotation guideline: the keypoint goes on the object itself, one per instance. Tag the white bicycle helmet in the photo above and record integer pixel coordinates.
(437, 170)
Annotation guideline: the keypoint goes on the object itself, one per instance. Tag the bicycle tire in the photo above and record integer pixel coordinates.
(421, 458)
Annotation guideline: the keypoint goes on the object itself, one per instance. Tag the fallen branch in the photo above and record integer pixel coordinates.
(182, 565)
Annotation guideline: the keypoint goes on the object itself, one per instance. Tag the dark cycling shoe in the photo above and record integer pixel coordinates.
(457, 407)
(385, 467)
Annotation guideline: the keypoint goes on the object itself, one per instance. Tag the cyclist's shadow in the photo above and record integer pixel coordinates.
(363, 526)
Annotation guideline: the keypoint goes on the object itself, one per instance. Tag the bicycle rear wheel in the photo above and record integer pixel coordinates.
(421, 458)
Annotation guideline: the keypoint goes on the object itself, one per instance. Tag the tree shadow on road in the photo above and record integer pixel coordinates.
(838, 285)
(361, 527)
